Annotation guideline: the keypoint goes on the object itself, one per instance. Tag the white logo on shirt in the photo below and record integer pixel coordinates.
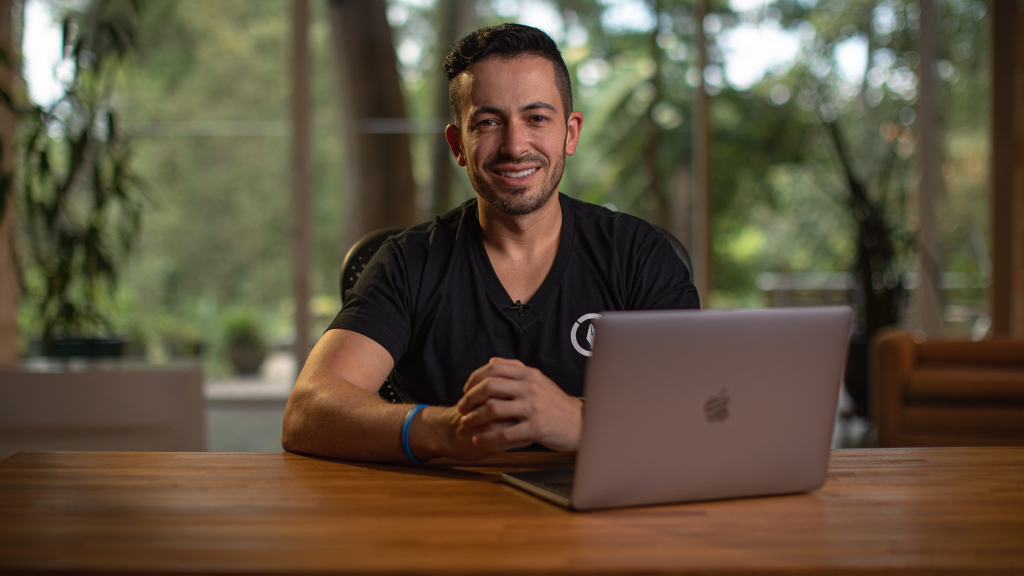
(587, 320)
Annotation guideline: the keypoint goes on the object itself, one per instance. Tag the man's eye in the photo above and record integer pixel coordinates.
(487, 122)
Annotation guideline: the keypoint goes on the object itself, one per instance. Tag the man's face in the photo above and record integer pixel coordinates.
(514, 136)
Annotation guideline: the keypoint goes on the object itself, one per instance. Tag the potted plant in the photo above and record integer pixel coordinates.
(245, 342)
(882, 243)
(79, 200)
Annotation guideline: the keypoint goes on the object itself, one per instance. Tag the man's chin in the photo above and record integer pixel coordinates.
(518, 202)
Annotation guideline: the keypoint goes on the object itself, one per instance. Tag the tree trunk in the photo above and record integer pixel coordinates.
(682, 181)
(302, 179)
(700, 209)
(381, 191)
(454, 18)
(928, 301)
(655, 186)
(8, 230)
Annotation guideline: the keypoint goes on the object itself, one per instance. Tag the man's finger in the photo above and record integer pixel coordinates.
(492, 387)
(505, 437)
(494, 409)
(509, 361)
(497, 367)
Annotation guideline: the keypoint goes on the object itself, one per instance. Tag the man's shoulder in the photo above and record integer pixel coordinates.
(597, 219)
(439, 228)
(437, 233)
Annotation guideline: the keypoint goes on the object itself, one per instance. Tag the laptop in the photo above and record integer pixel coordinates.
(689, 405)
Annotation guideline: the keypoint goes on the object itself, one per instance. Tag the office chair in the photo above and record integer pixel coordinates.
(364, 249)
(680, 250)
(359, 254)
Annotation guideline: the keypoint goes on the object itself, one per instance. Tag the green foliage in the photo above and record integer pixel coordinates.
(80, 199)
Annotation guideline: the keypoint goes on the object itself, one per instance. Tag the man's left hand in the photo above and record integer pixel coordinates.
(510, 390)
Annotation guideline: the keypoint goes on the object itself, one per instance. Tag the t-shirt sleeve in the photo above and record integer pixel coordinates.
(378, 305)
(660, 279)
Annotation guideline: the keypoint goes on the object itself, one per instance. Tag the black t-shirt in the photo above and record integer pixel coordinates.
(432, 299)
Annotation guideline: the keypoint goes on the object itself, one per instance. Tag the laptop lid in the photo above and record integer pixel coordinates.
(697, 405)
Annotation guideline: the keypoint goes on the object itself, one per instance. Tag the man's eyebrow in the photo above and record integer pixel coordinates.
(533, 105)
(499, 111)
(485, 110)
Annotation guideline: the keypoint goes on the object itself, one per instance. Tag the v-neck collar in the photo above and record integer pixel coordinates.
(494, 286)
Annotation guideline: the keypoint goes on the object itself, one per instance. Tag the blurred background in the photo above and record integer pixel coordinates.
(181, 169)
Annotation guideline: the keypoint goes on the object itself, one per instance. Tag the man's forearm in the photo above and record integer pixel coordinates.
(333, 410)
(336, 419)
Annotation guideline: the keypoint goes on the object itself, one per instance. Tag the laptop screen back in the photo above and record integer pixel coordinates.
(691, 405)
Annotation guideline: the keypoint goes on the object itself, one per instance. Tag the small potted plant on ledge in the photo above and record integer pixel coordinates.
(245, 344)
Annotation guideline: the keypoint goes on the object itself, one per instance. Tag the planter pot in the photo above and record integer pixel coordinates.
(81, 347)
(856, 377)
(247, 359)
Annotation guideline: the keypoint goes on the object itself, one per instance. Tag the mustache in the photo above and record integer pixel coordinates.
(502, 160)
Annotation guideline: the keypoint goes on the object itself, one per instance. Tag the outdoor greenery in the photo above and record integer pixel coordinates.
(205, 104)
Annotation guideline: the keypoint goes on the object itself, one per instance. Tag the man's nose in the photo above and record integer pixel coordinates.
(515, 142)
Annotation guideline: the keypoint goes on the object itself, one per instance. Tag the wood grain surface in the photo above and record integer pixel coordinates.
(913, 510)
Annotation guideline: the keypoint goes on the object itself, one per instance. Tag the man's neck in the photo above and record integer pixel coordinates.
(524, 235)
(522, 249)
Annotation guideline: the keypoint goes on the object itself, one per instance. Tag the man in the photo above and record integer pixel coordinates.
(487, 313)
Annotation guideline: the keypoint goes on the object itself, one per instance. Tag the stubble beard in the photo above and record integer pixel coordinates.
(517, 201)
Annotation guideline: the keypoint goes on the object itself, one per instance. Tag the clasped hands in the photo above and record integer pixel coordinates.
(507, 404)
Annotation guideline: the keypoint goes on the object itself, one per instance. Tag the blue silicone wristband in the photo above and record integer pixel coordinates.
(406, 424)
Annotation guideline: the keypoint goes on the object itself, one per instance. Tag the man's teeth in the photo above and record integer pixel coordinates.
(518, 174)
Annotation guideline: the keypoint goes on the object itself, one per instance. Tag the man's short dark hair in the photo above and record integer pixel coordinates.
(504, 41)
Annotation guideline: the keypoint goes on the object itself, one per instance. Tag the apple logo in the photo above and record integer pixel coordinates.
(716, 408)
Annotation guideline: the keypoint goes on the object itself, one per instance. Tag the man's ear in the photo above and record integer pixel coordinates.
(572, 134)
(454, 138)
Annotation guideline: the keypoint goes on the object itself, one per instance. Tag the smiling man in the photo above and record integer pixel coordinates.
(484, 317)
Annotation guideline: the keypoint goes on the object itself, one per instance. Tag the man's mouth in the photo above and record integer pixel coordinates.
(519, 174)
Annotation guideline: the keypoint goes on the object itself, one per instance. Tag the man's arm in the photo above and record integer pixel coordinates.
(334, 410)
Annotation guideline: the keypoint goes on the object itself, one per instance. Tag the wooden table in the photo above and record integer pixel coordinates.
(902, 510)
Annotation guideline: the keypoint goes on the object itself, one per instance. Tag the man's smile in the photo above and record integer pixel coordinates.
(515, 179)
(516, 172)
(519, 174)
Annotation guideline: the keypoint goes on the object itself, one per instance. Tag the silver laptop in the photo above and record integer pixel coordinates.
(689, 405)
